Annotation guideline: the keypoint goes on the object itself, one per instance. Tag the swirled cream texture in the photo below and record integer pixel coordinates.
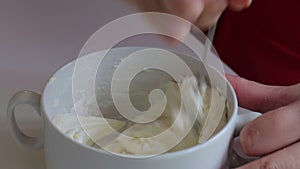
(184, 123)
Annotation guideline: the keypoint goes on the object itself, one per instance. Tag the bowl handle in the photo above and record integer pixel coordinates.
(32, 99)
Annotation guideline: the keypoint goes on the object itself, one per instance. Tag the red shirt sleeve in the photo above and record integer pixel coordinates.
(262, 43)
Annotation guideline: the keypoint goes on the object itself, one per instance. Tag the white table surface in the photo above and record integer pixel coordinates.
(36, 38)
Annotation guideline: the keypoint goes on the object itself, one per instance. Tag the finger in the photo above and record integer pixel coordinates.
(262, 98)
(189, 10)
(238, 5)
(173, 27)
(288, 158)
(272, 131)
(211, 13)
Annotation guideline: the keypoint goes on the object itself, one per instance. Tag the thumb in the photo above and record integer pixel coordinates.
(262, 98)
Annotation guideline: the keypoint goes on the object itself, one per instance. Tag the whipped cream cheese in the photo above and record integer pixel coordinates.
(141, 138)
(86, 129)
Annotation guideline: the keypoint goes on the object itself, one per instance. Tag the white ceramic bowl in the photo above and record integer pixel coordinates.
(63, 153)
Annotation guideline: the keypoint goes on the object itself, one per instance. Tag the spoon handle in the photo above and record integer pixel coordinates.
(209, 42)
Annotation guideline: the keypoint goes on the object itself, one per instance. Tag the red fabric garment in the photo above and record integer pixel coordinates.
(262, 43)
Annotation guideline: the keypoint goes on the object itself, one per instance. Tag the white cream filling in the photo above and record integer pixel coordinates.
(140, 139)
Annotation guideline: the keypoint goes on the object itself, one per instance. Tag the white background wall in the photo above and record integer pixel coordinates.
(36, 38)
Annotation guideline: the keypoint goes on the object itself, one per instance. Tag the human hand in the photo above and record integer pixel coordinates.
(276, 134)
(203, 13)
